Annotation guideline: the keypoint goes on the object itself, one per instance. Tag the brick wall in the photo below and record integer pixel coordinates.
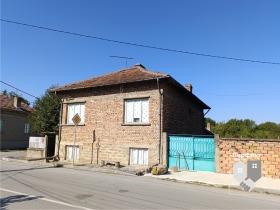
(268, 151)
(104, 117)
(180, 114)
(104, 136)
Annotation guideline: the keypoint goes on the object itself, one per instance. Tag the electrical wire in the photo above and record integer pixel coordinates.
(240, 95)
(19, 89)
(140, 45)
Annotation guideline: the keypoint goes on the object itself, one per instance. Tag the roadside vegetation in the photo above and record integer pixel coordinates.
(246, 128)
(45, 114)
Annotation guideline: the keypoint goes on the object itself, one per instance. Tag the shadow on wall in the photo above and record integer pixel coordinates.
(16, 199)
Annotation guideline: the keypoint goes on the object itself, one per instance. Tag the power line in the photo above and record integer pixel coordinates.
(18, 89)
(141, 45)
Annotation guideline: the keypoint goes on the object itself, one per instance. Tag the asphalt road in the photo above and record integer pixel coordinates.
(25, 186)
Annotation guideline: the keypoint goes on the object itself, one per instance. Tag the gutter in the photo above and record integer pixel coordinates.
(207, 112)
(58, 89)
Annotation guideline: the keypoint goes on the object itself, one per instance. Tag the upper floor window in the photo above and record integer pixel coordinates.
(26, 128)
(77, 108)
(137, 110)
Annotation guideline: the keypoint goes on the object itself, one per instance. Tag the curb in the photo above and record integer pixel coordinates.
(127, 172)
(75, 167)
(231, 187)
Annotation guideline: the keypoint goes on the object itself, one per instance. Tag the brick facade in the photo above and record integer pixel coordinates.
(181, 115)
(268, 151)
(104, 136)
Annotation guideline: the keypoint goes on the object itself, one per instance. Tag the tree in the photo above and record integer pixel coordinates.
(247, 128)
(211, 121)
(45, 117)
(268, 130)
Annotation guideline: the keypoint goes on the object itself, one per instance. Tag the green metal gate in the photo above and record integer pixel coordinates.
(192, 152)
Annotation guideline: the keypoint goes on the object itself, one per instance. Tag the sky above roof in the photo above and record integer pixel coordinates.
(34, 59)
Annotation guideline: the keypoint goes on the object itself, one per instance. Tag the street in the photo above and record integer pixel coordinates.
(27, 186)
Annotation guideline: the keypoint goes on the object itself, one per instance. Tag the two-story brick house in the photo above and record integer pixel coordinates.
(124, 115)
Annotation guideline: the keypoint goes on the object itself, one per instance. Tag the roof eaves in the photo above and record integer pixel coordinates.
(177, 84)
(120, 83)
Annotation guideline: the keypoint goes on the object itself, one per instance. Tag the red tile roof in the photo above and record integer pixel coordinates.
(133, 74)
(8, 103)
(136, 73)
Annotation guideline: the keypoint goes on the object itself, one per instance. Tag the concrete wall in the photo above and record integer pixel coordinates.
(13, 136)
(266, 150)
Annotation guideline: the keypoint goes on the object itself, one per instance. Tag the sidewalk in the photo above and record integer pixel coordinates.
(264, 185)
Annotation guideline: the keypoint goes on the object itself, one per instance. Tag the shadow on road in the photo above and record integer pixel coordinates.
(16, 199)
(27, 169)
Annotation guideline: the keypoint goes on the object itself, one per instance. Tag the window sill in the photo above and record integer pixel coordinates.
(136, 124)
(82, 124)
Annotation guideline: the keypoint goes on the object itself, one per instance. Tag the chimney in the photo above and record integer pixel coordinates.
(189, 87)
(140, 65)
(208, 126)
(17, 102)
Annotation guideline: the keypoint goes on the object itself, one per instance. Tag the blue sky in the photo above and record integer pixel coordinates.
(33, 59)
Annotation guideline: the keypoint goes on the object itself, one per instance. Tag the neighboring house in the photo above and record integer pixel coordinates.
(14, 127)
(125, 116)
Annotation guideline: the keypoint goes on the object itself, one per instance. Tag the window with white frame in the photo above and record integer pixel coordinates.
(73, 109)
(137, 110)
(70, 152)
(26, 128)
(138, 156)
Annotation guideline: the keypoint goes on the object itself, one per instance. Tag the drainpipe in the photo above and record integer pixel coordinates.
(159, 121)
(207, 111)
(204, 117)
(60, 121)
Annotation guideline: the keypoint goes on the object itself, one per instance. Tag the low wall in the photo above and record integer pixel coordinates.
(35, 153)
(232, 150)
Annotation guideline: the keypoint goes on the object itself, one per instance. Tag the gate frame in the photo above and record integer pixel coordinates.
(216, 138)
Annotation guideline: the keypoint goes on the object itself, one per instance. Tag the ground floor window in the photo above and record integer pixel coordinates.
(138, 156)
(26, 128)
(70, 152)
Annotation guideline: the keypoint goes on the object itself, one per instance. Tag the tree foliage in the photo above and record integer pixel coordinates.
(45, 117)
(246, 128)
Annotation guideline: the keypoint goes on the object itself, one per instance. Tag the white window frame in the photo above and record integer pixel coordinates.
(26, 128)
(75, 108)
(139, 156)
(69, 152)
(136, 106)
